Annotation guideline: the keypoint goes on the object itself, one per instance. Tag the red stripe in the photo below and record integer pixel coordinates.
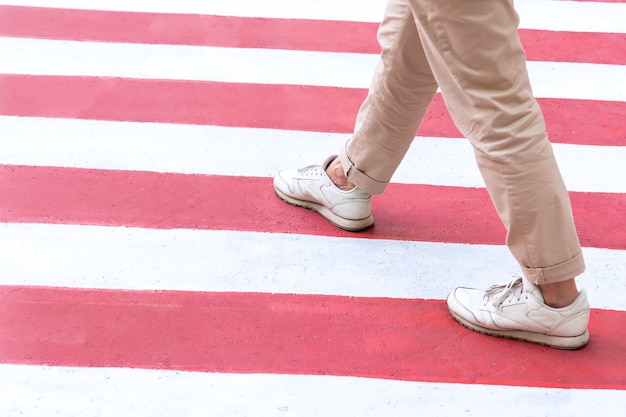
(294, 107)
(396, 339)
(165, 200)
(187, 29)
(594, 48)
(242, 32)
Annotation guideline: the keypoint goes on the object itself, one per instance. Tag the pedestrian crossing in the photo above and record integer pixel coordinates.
(147, 268)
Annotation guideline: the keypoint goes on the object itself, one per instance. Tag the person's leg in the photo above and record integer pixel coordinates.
(474, 51)
(401, 90)
(477, 58)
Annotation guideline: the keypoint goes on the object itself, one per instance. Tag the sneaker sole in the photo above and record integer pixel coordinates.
(559, 342)
(350, 225)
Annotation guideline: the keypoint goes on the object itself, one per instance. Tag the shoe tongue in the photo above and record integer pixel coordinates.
(532, 288)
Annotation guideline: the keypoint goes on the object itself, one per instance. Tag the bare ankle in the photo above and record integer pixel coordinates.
(338, 176)
(559, 294)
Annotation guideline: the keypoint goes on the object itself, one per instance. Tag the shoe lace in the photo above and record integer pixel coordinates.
(311, 171)
(499, 294)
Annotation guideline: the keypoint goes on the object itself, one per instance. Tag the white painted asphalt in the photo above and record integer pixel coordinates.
(534, 14)
(36, 391)
(204, 260)
(193, 149)
(271, 66)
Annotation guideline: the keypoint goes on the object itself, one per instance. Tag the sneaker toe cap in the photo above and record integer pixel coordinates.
(464, 302)
(283, 181)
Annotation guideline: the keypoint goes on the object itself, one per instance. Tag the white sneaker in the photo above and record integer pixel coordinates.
(312, 188)
(517, 311)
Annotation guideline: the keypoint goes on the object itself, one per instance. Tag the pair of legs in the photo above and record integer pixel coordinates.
(471, 51)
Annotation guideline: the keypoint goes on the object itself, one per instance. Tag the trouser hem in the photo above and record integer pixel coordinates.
(359, 178)
(561, 272)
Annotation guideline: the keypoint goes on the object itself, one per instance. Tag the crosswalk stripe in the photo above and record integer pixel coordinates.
(116, 392)
(169, 200)
(291, 107)
(217, 150)
(272, 66)
(404, 339)
(247, 32)
(534, 14)
(80, 256)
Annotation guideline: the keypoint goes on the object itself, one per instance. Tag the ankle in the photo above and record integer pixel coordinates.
(338, 176)
(559, 294)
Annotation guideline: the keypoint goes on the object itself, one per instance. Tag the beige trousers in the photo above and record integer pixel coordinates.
(471, 50)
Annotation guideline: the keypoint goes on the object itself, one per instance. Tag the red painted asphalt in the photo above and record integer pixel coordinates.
(167, 200)
(414, 340)
(293, 107)
(243, 32)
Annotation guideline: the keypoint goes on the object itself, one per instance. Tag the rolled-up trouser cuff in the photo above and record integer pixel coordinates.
(561, 272)
(360, 179)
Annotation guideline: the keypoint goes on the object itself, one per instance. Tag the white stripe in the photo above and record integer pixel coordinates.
(50, 391)
(572, 16)
(267, 66)
(182, 62)
(534, 14)
(218, 150)
(201, 260)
